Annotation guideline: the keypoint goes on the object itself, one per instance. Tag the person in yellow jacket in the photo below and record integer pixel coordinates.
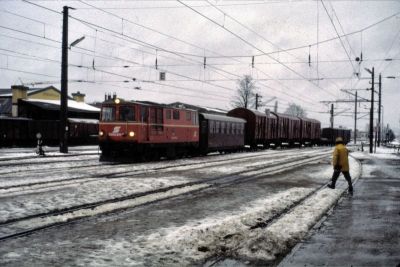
(340, 162)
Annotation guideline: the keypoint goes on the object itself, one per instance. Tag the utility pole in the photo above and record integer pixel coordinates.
(64, 85)
(257, 97)
(371, 116)
(276, 107)
(332, 115)
(379, 110)
(356, 101)
(355, 119)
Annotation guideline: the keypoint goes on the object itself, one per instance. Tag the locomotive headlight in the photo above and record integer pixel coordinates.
(101, 133)
(117, 101)
(131, 134)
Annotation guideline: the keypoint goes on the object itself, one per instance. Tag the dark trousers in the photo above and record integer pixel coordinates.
(336, 174)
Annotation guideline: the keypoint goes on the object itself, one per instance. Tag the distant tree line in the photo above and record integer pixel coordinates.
(247, 91)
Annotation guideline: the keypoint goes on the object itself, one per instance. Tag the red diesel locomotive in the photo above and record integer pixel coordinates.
(147, 130)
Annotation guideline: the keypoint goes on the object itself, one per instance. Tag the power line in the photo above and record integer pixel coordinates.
(278, 51)
(183, 76)
(174, 73)
(105, 57)
(28, 72)
(341, 27)
(179, 7)
(150, 29)
(272, 88)
(146, 28)
(250, 44)
(254, 32)
(49, 9)
(337, 33)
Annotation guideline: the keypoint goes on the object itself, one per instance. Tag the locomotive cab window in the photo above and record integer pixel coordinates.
(108, 113)
(194, 119)
(176, 114)
(188, 115)
(168, 114)
(127, 113)
(144, 114)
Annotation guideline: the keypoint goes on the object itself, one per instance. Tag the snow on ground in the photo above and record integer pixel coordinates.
(77, 194)
(230, 234)
(129, 203)
(30, 152)
(39, 200)
(381, 153)
(220, 234)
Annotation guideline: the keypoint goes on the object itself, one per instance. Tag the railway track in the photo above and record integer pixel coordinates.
(17, 165)
(35, 158)
(111, 173)
(30, 224)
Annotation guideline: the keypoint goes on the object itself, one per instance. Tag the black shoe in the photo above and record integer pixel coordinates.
(351, 191)
(331, 186)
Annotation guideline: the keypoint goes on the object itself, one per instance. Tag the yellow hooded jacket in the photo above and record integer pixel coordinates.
(340, 160)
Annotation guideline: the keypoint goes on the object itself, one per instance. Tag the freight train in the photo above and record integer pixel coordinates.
(147, 130)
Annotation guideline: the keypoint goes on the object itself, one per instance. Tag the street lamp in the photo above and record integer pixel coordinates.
(77, 41)
(371, 116)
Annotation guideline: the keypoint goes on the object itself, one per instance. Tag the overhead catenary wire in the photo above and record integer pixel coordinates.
(259, 35)
(127, 36)
(231, 56)
(341, 27)
(340, 39)
(148, 28)
(208, 63)
(250, 44)
(76, 47)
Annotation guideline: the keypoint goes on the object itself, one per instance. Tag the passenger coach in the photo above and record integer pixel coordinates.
(221, 133)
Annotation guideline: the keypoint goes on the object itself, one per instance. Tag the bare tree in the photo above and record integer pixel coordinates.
(246, 92)
(296, 110)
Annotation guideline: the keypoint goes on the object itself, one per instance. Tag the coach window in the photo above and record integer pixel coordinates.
(127, 113)
(168, 115)
(108, 113)
(152, 115)
(175, 114)
(159, 119)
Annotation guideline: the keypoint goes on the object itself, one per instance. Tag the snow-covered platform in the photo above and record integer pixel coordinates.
(362, 230)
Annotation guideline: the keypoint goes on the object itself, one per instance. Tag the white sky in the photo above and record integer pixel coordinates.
(180, 38)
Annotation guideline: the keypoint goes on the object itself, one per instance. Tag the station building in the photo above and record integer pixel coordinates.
(43, 104)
